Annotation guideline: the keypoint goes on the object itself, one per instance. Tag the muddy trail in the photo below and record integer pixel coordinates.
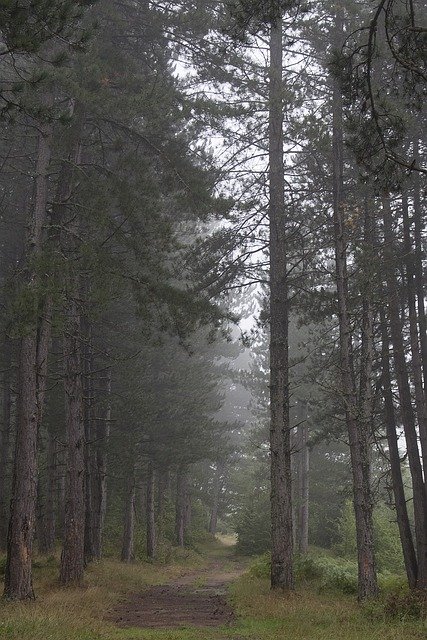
(198, 598)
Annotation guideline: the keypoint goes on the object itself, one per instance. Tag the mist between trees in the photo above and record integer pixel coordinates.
(213, 283)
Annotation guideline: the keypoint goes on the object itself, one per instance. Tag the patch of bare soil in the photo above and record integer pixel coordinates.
(197, 599)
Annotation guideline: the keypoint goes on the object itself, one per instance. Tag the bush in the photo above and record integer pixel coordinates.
(412, 604)
(330, 574)
(261, 567)
(399, 604)
(388, 550)
(253, 526)
(335, 574)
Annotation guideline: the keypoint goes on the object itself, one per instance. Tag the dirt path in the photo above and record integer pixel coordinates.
(198, 598)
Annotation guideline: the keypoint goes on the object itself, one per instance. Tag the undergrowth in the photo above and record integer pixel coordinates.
(316, 611)
(324, 573)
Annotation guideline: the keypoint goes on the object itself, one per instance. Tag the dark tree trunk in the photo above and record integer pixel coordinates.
(406, 410)
(217, 488)
(5, 450)
(100, 470)
(416, 364)
(72, 558)
(303, 481)
(47, 516)
(18, 575)
(418, 267)
(89, 552)
(150, 503)
(129, 522)
(405, 531)
(180, 506)
(188, 512)
(280, 445)
(357, 429)
(163, 488)
(88, 409)
(60, 490)
(50, 525)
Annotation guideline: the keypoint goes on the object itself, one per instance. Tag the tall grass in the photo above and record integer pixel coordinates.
(311, 613)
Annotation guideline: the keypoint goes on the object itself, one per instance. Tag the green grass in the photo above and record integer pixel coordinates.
(308, 614)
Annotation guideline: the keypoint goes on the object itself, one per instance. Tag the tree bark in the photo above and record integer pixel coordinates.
(5, 449)
(356, 426)
(100, 475)
(72, 558)
(282, 576)
(47, 525)
(60, 490)
(89, 552)
(217, 488)
(88, 401)
(18, 575)
(129, 522)
(406, 410)
(150, 504)
(416, 363)
(163, 490)
(303, 481)
(418, 267)
(180, 506)
(405, 532)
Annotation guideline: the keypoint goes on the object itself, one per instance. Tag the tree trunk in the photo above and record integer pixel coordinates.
(163, 489)
(46, 529)
(416, 364)
(406, 410)
(89, 552)
(100, 475)
(303, 481)
(180, 506)
(129, 522)
(5, 450)
(418, 267)
(150, 503)
(72, 558)
(280, 446)
(60, 490)
(188, 512)
(405, 531)
(217, 488)
(357, 431)
(18, 576)
(88, 409)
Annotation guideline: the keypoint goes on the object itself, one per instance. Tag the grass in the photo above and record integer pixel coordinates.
(78, 614)
(310, 615)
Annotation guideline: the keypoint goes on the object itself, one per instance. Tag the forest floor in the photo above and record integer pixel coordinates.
(208, 596)
(198, 598)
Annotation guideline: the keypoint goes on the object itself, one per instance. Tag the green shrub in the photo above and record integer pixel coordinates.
(329, 573)
(388, 550)
(346, 545)
(401, 605)
(253, 526)
(335, 574)
(260, 568)
(392, 582)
